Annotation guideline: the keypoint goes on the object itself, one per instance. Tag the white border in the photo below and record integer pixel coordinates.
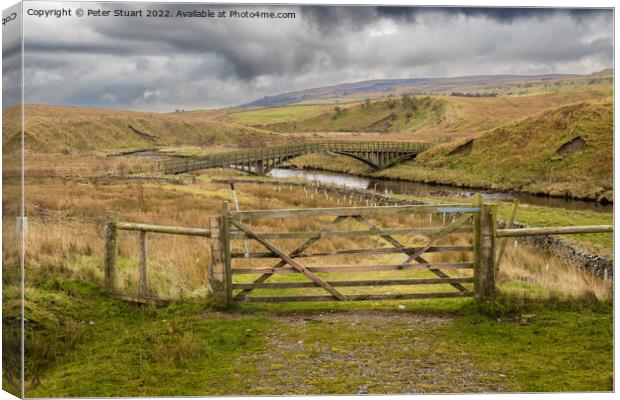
(480, 3)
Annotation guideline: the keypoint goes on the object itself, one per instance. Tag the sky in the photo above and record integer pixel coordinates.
(163, 64)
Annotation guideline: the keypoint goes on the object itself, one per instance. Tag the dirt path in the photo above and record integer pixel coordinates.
(364, 352)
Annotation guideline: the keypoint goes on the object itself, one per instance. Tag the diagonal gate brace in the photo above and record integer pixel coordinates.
(299, 250)
(418, 255)
(286, 258)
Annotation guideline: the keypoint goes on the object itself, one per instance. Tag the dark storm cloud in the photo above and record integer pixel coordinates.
(329, 18)
(163, 64)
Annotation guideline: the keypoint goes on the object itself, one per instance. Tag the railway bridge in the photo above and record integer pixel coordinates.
(378, 155)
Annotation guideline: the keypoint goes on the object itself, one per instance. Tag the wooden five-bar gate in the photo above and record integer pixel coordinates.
(467, 220)
(237, 272)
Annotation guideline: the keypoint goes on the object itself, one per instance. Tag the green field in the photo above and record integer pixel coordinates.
(545, 216)
(280, 114)
(104, 347)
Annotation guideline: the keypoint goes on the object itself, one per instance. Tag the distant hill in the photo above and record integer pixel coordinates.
(404, 115)
(500, 84)
(427, 118)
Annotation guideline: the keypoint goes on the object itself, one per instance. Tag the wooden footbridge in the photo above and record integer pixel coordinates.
(378, 155)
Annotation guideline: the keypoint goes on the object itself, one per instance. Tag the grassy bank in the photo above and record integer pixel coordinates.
(73, 129)
(82, 343)
(532, 156)
(436, 118)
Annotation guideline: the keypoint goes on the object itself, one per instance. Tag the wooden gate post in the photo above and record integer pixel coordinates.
(476, 243)
(111, 235)
(486, 263)
(216, 270)
(226, 257)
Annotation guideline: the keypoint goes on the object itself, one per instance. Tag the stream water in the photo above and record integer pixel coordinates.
(427, 190)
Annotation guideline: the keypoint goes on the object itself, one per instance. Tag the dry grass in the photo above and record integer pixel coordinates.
(528, 272)
(74, 129)
(40, 165)
(66, 236)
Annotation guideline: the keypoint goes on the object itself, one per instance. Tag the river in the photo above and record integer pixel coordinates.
(427, 190)
(389, 186)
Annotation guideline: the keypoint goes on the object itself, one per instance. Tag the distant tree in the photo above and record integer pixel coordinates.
(338, 112)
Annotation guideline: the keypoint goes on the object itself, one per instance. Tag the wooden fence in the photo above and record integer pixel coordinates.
(111, 250)
(476, 223)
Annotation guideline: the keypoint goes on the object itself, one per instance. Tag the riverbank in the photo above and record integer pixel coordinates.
(428, 177)
(422, 189)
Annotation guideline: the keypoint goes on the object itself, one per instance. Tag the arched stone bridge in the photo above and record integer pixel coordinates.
(378, 155)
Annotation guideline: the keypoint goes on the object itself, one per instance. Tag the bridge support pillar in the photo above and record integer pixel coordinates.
(259, 167)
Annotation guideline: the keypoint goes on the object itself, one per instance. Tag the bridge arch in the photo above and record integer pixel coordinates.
(358, 158)
(253, 170)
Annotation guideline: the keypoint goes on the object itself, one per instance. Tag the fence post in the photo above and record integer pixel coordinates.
(502, 242)
(144, 291)
(216, 271)
(486, 273)
(111, 235)
(226, 258)
(476, 243)
(493, 270)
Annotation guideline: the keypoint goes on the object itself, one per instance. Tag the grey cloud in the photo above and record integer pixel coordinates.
(195, 63)
(330, 18)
